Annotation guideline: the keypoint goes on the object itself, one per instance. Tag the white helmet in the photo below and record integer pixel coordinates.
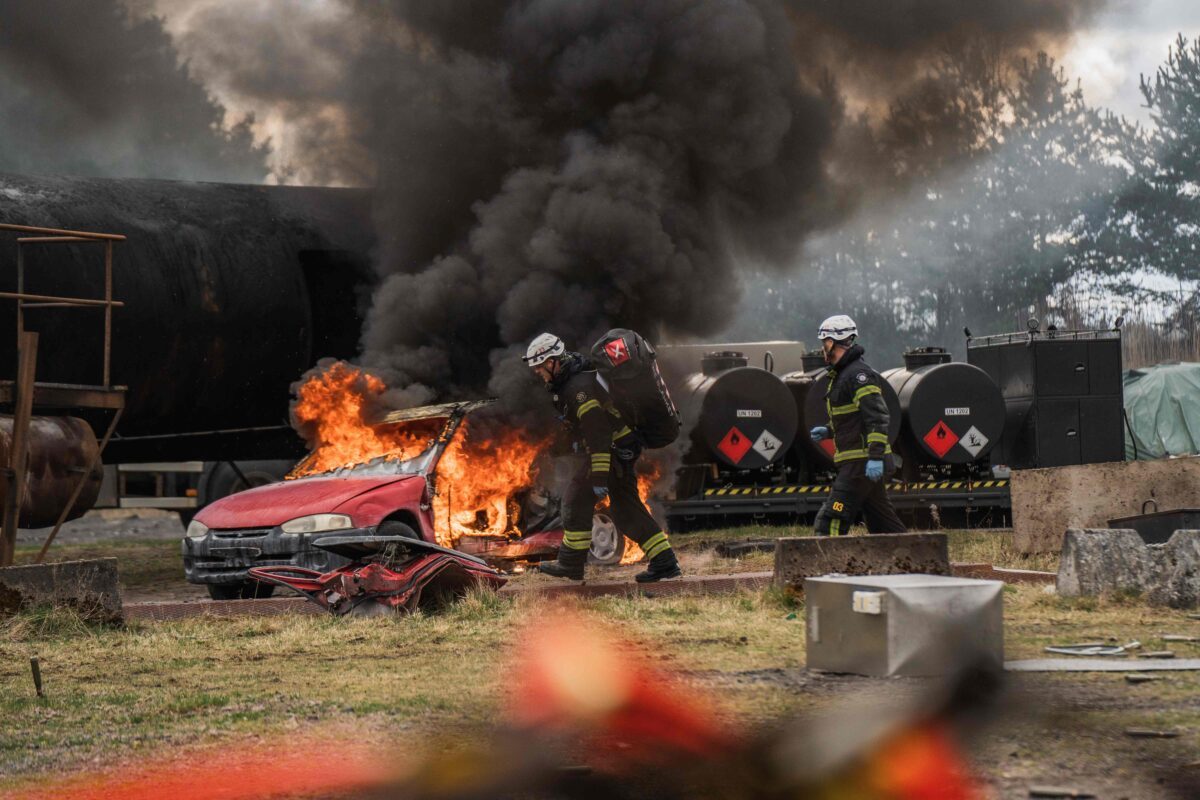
(544, 347)
(840, 328)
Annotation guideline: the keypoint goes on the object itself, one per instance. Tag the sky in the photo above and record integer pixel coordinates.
(1128, 40)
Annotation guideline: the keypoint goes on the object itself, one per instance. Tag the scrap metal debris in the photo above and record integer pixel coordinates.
(1092, 649)
(1060, 791)
(389, 574)
(1150, 733)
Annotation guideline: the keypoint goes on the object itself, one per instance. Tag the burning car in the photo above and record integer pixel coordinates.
(431, 483)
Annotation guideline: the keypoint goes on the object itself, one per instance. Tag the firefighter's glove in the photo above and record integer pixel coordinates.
(874, 469)
(819, 433)
(601, 492)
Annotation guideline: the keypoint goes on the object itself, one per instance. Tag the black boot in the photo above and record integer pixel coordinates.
(662, 566)
(570, 564)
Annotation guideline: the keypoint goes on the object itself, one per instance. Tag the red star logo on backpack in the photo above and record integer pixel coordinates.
(617, 352)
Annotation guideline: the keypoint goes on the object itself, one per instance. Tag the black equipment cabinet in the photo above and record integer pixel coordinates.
(1062, 393)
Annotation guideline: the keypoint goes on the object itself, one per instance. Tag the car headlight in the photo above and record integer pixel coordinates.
(317, 522)
(196, 529)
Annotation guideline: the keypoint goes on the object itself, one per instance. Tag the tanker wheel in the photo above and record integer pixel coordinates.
(608, 544)
(244, 590)
(220, 479)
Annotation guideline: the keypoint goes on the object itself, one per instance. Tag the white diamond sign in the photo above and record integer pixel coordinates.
(767, 445)
(973, 441)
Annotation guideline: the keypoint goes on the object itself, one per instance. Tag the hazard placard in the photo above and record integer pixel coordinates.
(734, 446)
(940, 439)
(767, 445)
(973, 441)
(828, 446)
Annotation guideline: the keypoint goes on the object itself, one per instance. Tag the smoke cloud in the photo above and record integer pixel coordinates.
(87, 89)
(562, 165)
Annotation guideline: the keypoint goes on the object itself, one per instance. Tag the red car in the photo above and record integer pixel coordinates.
(274, 525)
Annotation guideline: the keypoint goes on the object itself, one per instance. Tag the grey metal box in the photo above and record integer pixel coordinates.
(904, 625)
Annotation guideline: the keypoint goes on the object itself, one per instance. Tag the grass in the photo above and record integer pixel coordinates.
(115, 693)
(146, 566)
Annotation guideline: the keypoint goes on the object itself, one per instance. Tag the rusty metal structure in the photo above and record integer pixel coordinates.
(24, 393)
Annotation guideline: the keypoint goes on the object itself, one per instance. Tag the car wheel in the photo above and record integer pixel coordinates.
(608, 544)
(393, 527)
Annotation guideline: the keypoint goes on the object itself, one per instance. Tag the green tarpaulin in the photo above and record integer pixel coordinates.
(1163, 407)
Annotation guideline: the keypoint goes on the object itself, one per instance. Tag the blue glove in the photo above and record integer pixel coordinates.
(818, 433)
(601, 492)
(874, 469)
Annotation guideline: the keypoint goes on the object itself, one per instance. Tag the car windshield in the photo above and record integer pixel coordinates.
(412, 450)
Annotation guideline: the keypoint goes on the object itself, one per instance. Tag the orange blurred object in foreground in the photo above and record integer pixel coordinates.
(577, 678)
(291, 767)
(921, 763)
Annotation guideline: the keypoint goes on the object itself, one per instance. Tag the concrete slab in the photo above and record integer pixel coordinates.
(90, 587)
(1102, 665)
(797, 558)
(1046, 502)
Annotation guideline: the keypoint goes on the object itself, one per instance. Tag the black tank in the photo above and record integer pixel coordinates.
(231, 293)
(739, 416)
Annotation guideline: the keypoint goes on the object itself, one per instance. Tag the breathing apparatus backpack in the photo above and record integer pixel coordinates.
(628, 368)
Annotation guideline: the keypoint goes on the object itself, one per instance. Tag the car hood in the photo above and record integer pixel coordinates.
(276, 503)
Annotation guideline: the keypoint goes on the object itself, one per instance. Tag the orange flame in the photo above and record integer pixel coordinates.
(333, 406)
(476, 479)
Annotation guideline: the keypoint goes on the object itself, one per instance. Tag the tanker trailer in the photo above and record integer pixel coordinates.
(230, 294)
(953, 412)
(740, 418)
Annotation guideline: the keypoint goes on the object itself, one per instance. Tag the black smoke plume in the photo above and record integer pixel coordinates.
(88, 89)
(572, 165)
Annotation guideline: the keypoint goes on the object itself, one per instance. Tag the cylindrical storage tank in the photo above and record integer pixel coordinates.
(231, 293)
(60, 451)
(739, 416)
(953, 412)
(814, 412)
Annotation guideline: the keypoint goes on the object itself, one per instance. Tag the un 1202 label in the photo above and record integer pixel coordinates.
(958, 412)
(749, 413)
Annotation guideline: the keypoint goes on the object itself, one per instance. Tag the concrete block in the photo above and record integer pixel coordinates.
(797, 558)
(90, 587)
(1098, 561)
(1104, 561)
(1046, 502)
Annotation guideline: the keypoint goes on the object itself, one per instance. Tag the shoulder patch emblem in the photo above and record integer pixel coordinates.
(581, 397)
(555, 398)
(861, 377)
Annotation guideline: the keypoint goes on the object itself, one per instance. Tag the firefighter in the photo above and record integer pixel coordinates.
(858, 425)
(606, 457)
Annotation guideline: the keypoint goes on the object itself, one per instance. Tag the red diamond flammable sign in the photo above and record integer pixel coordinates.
(940, 439)
(735, 445)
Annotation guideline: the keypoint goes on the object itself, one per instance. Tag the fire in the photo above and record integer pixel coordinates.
(476, 479)
(477, 475)
(333, 405)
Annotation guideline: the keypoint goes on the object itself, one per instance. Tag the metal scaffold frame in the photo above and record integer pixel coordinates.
(24, 394)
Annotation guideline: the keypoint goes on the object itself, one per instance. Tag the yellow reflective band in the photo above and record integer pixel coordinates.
(601, 456)
(866, 390)
(586, 407)
(656, 544)
(840, 410)
(847, 455)
(881, 438)
(622, 433)
(653, 540)
(835, 527)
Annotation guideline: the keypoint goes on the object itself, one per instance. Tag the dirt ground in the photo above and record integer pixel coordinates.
(121, 694)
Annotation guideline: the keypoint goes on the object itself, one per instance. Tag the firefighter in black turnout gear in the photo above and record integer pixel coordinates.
(858, 425)
(606, 459)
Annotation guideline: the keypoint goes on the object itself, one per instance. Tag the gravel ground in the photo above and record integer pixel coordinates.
(109, 524)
